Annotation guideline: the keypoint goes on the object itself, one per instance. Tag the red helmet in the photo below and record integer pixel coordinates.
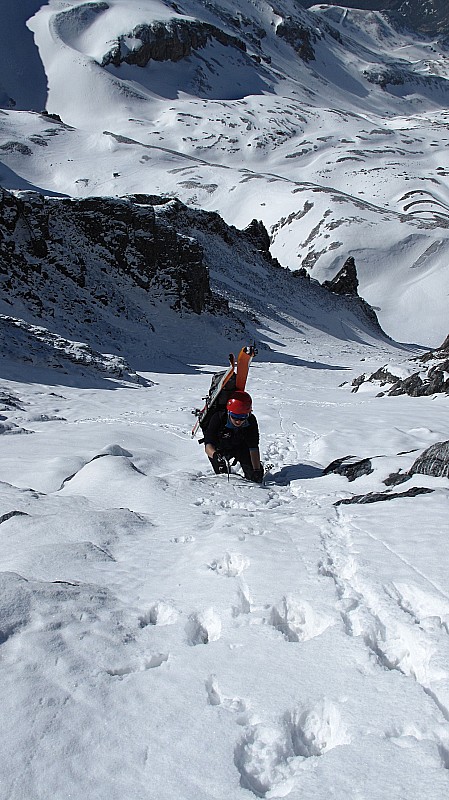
(239, 403)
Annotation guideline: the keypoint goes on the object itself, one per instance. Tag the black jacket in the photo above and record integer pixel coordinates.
(224, 436)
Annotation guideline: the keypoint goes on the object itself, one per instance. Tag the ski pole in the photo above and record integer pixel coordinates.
(228, 465)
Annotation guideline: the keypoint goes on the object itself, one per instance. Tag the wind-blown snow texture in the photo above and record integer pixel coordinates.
(166, 633)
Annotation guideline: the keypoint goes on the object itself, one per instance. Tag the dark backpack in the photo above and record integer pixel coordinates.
(220, 402)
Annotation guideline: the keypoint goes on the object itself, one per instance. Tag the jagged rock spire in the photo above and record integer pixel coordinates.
(345, 281)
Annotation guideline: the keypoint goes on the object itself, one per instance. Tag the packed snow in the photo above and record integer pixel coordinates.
(167, 632)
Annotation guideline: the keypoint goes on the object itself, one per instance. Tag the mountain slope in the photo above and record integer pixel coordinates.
(426, 16)
(328, 124)
(169, 633)
(138, 276)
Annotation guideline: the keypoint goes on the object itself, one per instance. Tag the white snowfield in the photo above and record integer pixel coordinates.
(166, 633)
(344, 154)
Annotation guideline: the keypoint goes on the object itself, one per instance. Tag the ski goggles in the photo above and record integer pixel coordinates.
(238, 416)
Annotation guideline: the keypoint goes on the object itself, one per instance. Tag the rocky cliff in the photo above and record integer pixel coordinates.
(125, 275)
(96, 247)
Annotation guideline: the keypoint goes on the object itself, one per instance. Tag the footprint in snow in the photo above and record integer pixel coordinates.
(216, 697)
(297, 620)
(267, 756)
(203, 627)
(161, 613)
(230, 565)
(428, 610)
(153, 661)
(402, 735)
(244, 601)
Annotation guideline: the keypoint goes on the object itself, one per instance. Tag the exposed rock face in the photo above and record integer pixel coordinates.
(166, 41)
(346, 280)
(386, 76)
(258, 235)
(426, 375)
(94, 244)
(345, 283)
(376, 497)
(115, 272)
(349, 466)
(445, 345)
(298, 36)
(433, 461)
(397, 75)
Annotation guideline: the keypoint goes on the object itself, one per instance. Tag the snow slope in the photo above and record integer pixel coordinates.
(340, 148)
(166, 633)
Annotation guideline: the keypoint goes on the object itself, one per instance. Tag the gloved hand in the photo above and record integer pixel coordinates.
(219, 463)
(255, 475)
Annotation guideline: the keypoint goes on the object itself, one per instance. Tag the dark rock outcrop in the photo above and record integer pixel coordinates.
(345, 283)
(398, 75)
(95, 244)
(346, 280)
(424, 16)
(445, 346)
(385, 76)
(377, 497)
(298, 36)
(433, 461)
(429, 374)
(258, 235)
(349, 466)
(167, 41)
(396, 478)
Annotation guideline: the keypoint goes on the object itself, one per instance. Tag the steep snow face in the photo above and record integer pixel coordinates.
(330, 125)
(168, 633)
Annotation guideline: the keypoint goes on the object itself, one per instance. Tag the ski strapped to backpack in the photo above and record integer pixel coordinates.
(244, 359)
(219, 381)
(221, 387)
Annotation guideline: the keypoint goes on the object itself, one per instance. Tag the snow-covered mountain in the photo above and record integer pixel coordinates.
(327, 124)
(428, 16)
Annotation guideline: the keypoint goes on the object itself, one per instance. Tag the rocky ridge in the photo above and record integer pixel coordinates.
(170, 41)
(107, 271)
(432, 462)
(95, 254)
(178, 37)
(422, 375)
